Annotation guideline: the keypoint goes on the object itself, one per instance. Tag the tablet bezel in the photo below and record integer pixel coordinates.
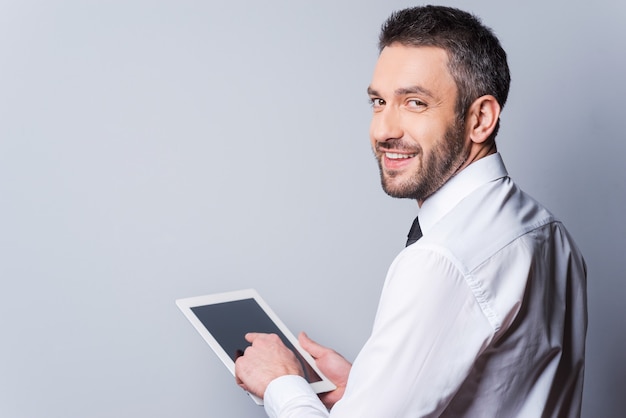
(186, 305)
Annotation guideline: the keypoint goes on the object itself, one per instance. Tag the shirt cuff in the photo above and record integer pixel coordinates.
(288, 393)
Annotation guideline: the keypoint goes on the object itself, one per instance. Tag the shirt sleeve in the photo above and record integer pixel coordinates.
(429, 329)
(292, 397)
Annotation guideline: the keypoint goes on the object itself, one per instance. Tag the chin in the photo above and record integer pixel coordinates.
(400, 191)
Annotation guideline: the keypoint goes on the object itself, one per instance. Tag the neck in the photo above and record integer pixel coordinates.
(477, 151)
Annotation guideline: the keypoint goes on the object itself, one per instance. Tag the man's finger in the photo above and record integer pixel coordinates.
(251, 336)
(313, 348)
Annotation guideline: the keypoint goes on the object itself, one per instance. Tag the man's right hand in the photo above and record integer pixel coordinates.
(332, 364)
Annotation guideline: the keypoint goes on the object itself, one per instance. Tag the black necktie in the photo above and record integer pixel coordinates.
(415, 233)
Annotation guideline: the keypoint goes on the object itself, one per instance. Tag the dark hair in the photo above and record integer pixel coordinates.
(476, 59)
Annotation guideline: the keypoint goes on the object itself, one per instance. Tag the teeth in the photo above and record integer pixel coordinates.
(394, 156)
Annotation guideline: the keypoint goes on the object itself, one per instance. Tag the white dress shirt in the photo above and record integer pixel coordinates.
(484, 316)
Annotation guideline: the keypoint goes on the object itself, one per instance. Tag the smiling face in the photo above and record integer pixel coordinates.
(416, 136)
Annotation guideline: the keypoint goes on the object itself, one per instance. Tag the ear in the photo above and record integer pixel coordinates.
(482, 118)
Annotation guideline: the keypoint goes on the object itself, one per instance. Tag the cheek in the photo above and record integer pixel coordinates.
(427, 134)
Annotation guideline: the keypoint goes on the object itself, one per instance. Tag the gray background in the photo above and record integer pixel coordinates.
(153, 150)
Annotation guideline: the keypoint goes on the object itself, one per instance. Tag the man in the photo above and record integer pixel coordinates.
(485, 314)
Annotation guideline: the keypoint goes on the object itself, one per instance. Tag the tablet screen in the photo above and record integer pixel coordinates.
(229, 322)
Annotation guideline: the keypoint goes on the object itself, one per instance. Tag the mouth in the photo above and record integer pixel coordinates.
(397, 156)
(395, 162)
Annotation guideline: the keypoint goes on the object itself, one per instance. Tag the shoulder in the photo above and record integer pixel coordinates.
(486, 221)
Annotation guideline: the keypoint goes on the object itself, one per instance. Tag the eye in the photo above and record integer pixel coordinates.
(415, 104)
(376, 102)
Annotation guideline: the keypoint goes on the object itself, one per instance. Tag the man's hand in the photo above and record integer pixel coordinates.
(332, 364)
(265, 360)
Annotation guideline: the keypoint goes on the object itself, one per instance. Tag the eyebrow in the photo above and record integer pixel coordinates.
(404, 91)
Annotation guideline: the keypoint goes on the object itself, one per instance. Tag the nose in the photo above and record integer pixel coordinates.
(385, 125)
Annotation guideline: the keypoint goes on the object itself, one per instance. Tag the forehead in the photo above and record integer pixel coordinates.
(400, 67)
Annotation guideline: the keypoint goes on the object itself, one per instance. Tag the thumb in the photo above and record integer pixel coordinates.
(313, 348)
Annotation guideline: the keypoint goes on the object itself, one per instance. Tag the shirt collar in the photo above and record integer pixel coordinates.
(473, 176)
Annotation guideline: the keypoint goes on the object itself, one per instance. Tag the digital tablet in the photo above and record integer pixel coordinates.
(224, 319)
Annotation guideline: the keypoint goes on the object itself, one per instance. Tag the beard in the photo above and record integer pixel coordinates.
(434, 170)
